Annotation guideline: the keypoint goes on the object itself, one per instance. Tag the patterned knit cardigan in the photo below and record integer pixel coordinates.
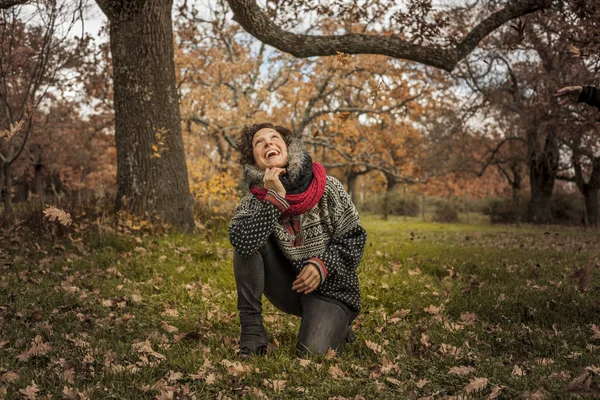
(329, 235)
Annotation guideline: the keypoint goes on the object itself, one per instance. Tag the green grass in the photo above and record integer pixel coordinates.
(501, 298)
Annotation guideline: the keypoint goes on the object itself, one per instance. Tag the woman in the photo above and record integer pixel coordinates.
(297, 239)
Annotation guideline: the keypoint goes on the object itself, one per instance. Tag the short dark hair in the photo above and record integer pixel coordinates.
(244, 143)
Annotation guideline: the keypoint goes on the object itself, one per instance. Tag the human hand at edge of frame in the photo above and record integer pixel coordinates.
(272, 181)
(568, 95)
(308, 279)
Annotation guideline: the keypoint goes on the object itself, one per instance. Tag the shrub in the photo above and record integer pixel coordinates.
(504, 211)
(396, 204)
(566, 208)
(446, 212)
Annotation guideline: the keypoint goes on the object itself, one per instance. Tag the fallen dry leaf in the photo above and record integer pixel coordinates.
(330, 354)
(422, 383)
(146, 348)
(336, 372)
(30, 392)
(433, 310)
(580, 383)
(9, 377)
(236, 368)
(596, 332)
(476, 385)
(517, 371)
(169, 328)
(303, 362)
(393, 381)
(374, 346)
(69, 393)
(461, 371)
(38, 348)
(495, 393)
(210, 379)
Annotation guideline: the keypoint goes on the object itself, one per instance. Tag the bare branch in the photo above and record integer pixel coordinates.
(6, 4)
(252, 18)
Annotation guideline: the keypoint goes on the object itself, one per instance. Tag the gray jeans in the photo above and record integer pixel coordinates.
(324, 324)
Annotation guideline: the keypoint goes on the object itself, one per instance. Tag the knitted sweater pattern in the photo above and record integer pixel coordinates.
(329, 235)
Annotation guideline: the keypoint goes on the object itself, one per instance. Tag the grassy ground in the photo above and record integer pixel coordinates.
(448, 310)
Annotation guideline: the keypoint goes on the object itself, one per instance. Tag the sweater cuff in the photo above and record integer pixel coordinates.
(587, 94)
(320, 266)
(278, 201)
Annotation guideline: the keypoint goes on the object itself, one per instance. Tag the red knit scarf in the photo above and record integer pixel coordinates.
(302, 202)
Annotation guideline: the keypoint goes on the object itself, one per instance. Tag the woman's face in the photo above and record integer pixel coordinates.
(269, 149)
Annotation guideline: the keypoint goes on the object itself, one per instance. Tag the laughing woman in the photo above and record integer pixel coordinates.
(297, 239)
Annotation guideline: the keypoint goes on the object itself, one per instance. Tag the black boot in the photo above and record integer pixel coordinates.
(254, 338)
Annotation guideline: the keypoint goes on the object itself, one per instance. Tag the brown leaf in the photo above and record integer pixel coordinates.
(596, 332)
(236, 368)
(342, 58)
(303, 362)
(495, 393)
(169, 328)
(461, 371)
(9, 377)
(433, 310)
(69, 375)
(342, 116)
(330, 354)
(69, 393)
(56, 214)
(336, 372)
(584, 275)
(374, 346)
(476, 385)
(30, 392)
(422, 383)
(146, 348)
(580, 384)
(393, 381)
(517, 371)
(38, 348)
(210, 379)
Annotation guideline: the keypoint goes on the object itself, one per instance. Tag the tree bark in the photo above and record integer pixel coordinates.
(146, 103)
(391, 185)
(591, 206)
(588, 189)
(6, 188)
(351, 178)
(543, 168)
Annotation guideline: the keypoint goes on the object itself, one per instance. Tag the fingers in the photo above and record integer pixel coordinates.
(568, 90)
(308, 280)
(562, 92)
(311, 284)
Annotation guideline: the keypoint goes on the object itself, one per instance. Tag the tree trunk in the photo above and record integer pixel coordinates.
(6, 188)
(351, 177)
(38, 179)
(591, 206)
(391, 185)
(543, 167)
(151, 179)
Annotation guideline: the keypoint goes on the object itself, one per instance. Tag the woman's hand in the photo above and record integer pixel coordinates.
(308, 280)
(568, 95)
(272, 181)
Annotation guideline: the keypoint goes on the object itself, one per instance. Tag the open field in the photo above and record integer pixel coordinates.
(448, 310)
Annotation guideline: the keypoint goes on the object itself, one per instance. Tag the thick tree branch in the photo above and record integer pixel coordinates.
(6, 4)
(252, 18)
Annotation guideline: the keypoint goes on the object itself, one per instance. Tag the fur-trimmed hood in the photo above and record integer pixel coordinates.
(297, 156)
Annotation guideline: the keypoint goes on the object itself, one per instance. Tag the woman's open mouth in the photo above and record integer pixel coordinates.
(271, 153)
